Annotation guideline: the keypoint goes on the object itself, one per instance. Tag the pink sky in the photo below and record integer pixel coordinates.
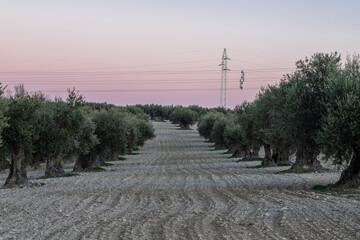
(166, 52)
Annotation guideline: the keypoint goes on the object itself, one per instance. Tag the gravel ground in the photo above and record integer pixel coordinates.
(177, 188)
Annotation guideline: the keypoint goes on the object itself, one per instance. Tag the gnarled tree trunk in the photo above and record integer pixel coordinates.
(184, 126)
(281, 156)
(54, 167)
(350, 177)
(306, 158)
(87, 162)
(219, 146)
(268, 161)
(231, 149)
(113, 157)
(241, 151)
(255, 152)
(17, 175)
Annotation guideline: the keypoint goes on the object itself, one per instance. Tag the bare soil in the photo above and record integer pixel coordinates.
(176, 188)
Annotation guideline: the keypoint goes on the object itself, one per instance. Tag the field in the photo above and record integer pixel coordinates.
(177, 188)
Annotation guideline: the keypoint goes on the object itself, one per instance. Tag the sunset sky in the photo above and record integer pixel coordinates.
(166, 52)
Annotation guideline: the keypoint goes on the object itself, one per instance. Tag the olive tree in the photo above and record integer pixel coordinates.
(304, 104)
(234, 138)
(340, 133)
(206, 123)
(4, 163)
(184, 117)
(138, 131)
(217, 133)
(19, 136)
(110, 130)
(265, 128)
(65, 132)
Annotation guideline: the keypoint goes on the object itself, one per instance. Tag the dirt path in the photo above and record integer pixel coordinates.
(176, 188)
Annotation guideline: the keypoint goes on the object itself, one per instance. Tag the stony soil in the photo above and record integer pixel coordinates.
(177, 188)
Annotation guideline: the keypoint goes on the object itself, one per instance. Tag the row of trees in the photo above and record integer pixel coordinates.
(162, 113)
(315, 109)
(35, 130)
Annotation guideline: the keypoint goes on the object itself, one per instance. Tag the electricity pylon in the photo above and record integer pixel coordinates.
(224, 70)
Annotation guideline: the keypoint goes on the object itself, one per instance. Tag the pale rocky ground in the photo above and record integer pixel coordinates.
(176, 188)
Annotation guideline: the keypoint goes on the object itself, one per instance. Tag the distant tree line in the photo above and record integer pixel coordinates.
(35, 130)
(183, 116)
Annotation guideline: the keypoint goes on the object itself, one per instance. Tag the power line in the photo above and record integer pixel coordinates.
(147, 90)
(262, 56)
(115, 57)
(134, 72)
(139, 82)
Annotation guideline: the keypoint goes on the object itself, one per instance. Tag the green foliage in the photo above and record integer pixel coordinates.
(22, 116)
(249, 160)
(199, 110)
(239, 132)
(283, 165)
(321, 188)
(65, 130)
(268, 109)
(111, 131)
(334, 189)
(142, 130)
(107, 164)
(118, 132)
(137, 111)
(3, 110)
(133, 153)
(206, 123)
(185, 117)
(156, 112)
(217, 133)
(161, 113)
(34, 130)
(87, 139)
(340, 133)
(233, 134)
(74, 98)
(249, 119)
(305, 100)
(296, 171)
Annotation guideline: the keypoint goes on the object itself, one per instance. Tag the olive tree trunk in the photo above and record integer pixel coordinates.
(306, 158)
(281, 156)
(54, 167)
(17, 175)
(231, 149)
(350, 177)
(115, 156)
(255, 152)
(268, 161)
(219, 146)
(184, 126)
(241, 151)
(88, 162)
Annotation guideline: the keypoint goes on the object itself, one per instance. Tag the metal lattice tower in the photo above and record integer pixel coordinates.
(224, 70)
